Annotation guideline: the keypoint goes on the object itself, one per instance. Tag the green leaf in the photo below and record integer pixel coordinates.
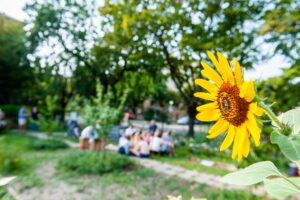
(5, 181)
(291, 118)
(289, 145)
(280, 187)
(252, 174)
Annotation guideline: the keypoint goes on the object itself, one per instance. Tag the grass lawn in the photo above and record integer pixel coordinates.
(42, 179)
(181, 159)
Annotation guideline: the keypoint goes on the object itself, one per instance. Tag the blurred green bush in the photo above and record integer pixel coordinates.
(229, 194)
(86, 162)
(11, 162)
(10, 110)
(150, 114)
(46, 144)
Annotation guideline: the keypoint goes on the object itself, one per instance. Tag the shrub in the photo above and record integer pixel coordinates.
(11, 162)
(10, 110)
(85, 162)
(229, 194)
(150, 114)
(46, 144)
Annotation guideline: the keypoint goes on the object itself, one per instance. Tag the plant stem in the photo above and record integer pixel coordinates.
(291, 182)
(270, 114)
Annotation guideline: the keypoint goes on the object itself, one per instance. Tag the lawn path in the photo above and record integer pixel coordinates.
(177, 171)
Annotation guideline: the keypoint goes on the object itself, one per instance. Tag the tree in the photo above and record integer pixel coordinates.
(70, 28)
(16, 75)
(283, 90)
(174, 36)
(281, 28)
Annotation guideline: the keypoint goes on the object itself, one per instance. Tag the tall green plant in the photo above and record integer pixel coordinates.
(100, 113)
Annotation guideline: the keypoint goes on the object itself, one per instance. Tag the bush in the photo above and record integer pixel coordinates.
(46, 144)
(10, 110)
(11, 162)
(49, 126)
(149, 114)
(229, 194)
(86, 162)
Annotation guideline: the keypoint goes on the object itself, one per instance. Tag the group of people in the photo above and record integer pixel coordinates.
(147, 142)
(23, 115)
(22, 118)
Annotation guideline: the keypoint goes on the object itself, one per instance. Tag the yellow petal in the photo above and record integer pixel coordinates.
(255, 109)
(206, 96)
(247, 91)
(228, 139)
(225, 64)
(217, 125)
(220, 128)
(209, 115)
(242, 135)
(211, 74)
(236, 143)
(218, 65)
(238, 73)
(254, 130)
(210, 87)
(246, 146)
(208, 106)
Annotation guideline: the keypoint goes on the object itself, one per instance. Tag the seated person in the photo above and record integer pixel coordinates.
(142, 149)
(168, 143)
(124, 144)
(130, 130)
(135, 138)
(156, 142)
(146, 136)
(153, 126)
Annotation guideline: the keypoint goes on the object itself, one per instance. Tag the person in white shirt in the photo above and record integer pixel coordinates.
(88, 134)
(156, 142)
(130, 130)
(124, 144)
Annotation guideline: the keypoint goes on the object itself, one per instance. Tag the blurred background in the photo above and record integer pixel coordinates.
(123, 62)
(142, 54)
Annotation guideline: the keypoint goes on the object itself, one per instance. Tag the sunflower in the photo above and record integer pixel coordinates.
(232, 105)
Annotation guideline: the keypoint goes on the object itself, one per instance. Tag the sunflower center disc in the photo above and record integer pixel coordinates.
(233, 108)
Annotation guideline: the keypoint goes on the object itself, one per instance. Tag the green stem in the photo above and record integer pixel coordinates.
(291, 182)
(270, 113)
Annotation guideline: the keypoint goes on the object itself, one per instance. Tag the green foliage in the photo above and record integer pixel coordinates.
(47, 144)
(86, 162)
(264, 171)
(49, 126)
(286, 84)
(253, 174)
(11, 162)
(289, 143)
(229, 195)
(47, 122)
(150, 114)
(10, 110)
(282, 187)
(281, 26)
(290, 120)
(98, 111)
(4, 194)
(16, 75)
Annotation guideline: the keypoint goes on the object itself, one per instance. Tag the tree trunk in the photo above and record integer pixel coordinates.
(191, 113)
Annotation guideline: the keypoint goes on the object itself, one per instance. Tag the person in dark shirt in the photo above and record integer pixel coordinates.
(153, 126)
(35, 117)
(35, 113)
